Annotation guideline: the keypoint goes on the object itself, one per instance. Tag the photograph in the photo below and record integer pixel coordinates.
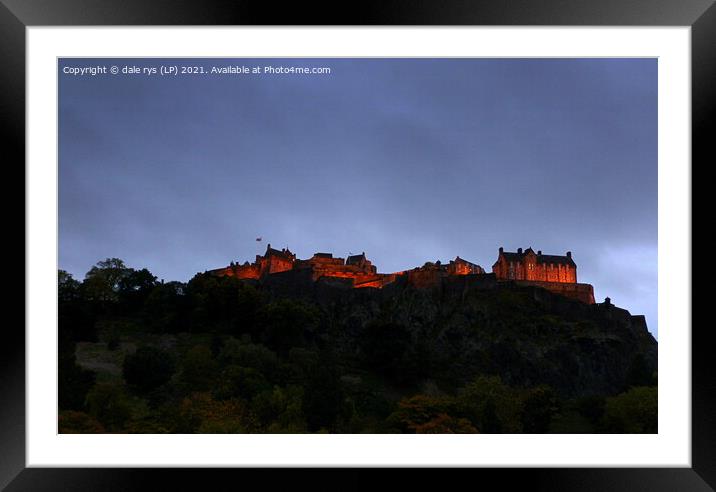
(377, 245)
(308, 242)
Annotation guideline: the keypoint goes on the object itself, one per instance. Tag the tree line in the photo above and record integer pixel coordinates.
(216, 354)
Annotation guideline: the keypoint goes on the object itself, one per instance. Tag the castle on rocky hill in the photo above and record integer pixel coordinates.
(552, 272)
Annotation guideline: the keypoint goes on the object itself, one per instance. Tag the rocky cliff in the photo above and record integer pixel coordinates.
(472, 325)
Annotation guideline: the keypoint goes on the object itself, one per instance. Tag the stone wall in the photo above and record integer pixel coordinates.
(580, 292)
(559, 278)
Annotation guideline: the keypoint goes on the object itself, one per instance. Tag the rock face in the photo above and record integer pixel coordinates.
(472, 325)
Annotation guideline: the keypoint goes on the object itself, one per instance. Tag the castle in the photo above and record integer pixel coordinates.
(552, 272)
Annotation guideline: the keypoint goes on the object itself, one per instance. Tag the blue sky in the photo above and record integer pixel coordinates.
(409, 160)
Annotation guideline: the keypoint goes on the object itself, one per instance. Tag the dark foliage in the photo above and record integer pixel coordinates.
(640, 373)
(242, 356)
(223, 305)
(323, 396)
(287, 324)
(73, 381)
(148, 368)
(384, 347)
(592, 408)
(539, 404)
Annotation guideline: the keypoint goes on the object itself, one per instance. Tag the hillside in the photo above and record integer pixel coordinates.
(472, 325)
(293, 355)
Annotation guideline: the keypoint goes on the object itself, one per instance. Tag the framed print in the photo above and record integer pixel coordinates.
(425, 236)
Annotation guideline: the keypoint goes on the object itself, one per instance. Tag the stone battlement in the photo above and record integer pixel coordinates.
(581, 292)
(557, 274)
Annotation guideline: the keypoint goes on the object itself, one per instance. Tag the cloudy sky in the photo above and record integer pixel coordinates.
(409, 160)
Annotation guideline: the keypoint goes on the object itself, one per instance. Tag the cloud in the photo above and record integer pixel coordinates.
(409, 160)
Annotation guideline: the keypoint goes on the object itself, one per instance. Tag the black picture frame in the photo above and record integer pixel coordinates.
(16, 15)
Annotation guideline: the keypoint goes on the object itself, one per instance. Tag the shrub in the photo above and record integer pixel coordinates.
(201, 413)
(288, 323)
(73, 381)
(591, 408)
(445, 424)
(492, 406)
(384, 348)
(148, 368)
(249, 355)
(424, 414)
(109, 405)
(632, 412)
(73, 422)
(199, 369)
(280, 409)
(240, 382)
(539, 405)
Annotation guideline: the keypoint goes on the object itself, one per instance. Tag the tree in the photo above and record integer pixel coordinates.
(632, 412)
(73, 422)
(539, 405)
(148, 368)
(384, 347)
(137, 281)
(240, 382)
(280, 409)
(134, 288)
(323, 396)
(104, 280)
(591, 408)
(418, 410)
(288, 324)
(199, 369)
(446, 424)
(201, 413)
(76, 321)
(73, 381)
(223, 304)
(492, 406)
(252, 355)
(68, 289)
(166, 308)
(109, 405)
(423, 414)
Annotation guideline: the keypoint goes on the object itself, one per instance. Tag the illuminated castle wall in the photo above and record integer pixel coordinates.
(529, 265)
(552, 272)
(357, 268)
(273, 261)
(555, 273)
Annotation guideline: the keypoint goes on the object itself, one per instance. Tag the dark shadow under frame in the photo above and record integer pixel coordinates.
(16, 15)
